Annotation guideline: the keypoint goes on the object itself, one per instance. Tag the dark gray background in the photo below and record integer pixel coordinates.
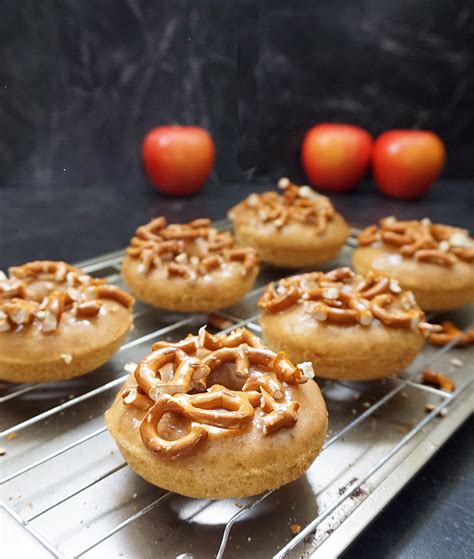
(81, 81)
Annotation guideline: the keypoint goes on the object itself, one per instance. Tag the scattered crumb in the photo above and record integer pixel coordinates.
(218, 321)
(430, 376)
(295, 528)
(354, 411)
(30, 504)
(239, 505)
(11, 436)
(130, 367)
(404, 395)
(3, 451)
(430, 407)
(456, 362)
(356, 396)
(66, 357)
(366, 404)
(134, 496)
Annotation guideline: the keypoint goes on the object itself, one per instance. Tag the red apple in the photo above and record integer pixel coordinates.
(336, 156)
(407, 162)
(178, 159)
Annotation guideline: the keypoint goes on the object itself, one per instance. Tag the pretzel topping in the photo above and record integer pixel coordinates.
(422, 240)
(341, 297)
(448, 332)
(182, 387)
(39, 293)
(297, 204)
(189, 250)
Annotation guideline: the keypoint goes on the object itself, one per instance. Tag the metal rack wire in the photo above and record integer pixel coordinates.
(332, 504)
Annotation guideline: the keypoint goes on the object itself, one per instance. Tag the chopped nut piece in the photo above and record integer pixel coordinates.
(284, 182)
(307, 369)
(252, 200)
(66, 357)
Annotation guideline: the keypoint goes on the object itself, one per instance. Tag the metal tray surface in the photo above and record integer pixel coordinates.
(67, 492)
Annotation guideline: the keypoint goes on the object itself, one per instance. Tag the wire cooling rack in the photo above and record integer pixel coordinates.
(66, 491)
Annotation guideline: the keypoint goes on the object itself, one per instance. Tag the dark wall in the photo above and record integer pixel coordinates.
(81, 81)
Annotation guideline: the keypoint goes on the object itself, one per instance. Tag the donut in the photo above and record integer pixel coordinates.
(188, 267)
(218, 416)
(434, 261)
(352, 327)
(297, 229)
(57, 322)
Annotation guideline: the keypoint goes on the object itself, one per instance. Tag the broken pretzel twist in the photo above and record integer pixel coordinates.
(182, 379)
(187, 250)
(344, 298)
(421, 240)
(40, 292)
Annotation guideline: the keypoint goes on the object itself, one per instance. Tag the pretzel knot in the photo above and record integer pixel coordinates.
(185, 374)
(421, 240)
(188, 250)
(297, 204)
(177, 379)
(343, 298)
(40, 292)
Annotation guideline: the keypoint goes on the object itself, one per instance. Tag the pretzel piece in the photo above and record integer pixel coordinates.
(422, 240)
(430, 376)
(186, 371)
(187, 250)
(296, 204)
(173, 379)
(450, 332)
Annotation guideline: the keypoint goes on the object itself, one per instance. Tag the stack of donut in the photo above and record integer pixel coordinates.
(196, 410)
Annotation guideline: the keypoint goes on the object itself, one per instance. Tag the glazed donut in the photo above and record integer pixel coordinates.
(297, 229)
(188, 267)
(218, 416)
(352, 327)
(57, 322)
(434, 261)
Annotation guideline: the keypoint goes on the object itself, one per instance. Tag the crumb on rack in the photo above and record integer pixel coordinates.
(366, 404)
(11, 436)
(456, 362)
(295, 528)
(430, 376)
(3, 451)
(430, 407)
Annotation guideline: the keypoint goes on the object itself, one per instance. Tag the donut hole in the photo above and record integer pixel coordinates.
(225, 375)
